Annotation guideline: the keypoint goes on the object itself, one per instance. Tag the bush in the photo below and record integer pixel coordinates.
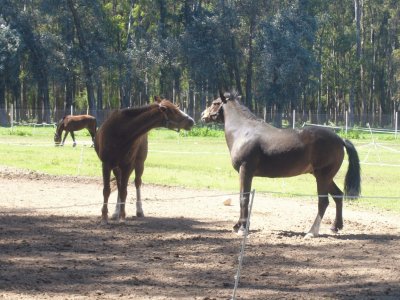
(200, 131)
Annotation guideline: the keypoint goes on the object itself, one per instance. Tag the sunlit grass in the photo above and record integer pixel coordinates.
(199, 162)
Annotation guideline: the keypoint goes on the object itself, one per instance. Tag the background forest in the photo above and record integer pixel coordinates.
(320, 58)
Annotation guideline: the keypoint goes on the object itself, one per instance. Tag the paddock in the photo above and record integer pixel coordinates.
(53, 247)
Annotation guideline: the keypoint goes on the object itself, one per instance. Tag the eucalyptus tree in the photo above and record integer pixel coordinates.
(285, 59)
(9, 48)
(22, 17)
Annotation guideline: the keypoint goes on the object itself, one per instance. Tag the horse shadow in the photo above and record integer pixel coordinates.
(340, 236)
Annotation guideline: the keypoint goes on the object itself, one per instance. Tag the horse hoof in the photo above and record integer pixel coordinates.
(334, 230)
(104, 222)
(114, 217)
(74, 145)
(122, 221)
(310, 235)
(140, 214)
(241, 232)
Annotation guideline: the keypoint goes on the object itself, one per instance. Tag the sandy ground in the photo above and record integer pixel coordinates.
(52, 246)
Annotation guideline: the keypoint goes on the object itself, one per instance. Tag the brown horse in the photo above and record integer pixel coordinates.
(121, 145)
(70, 123)
(259, 149)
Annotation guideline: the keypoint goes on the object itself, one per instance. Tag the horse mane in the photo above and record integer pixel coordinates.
(235, 96)
(135, 111)
(60, 122)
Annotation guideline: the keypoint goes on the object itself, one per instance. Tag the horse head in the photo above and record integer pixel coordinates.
(57, 138)
(215, 112)
(174, 118)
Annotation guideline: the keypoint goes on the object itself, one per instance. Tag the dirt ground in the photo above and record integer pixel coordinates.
(52, 246)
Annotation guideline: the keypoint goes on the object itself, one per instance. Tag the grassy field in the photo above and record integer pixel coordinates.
(201, 160)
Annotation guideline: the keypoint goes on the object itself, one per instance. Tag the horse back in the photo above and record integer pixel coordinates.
(287, 152)
(326, 148)
(79, 122)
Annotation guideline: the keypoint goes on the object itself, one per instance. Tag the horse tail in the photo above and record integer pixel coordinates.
(352, 182)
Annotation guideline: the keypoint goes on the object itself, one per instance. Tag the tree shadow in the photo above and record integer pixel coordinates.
(175, 258)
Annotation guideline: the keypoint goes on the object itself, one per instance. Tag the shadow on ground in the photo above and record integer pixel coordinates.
(182, 257)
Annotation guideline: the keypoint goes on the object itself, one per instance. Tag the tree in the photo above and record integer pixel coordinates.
(9, 47)
(285, 59)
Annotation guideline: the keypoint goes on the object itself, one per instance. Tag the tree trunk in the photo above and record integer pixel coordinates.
(3, 112)
(249, 72)
(85, 59)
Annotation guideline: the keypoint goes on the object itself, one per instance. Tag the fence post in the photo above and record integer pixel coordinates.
(395, 124)
(71, 111)
(265, 113)
(347, 119)
(243, 245)
(294, 118)
(12, 114)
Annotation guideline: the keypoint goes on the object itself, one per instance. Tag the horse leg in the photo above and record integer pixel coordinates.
(92, 134)
(138, 183)
(245, 186)
(122, 193)
(117, 210)
(323, 203)
(337, 195)
(65, 136)
(106, 193)
(73, 139)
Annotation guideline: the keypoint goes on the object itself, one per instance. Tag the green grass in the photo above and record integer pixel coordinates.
(200, 160)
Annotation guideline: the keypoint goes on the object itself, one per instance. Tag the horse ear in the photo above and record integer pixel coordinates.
(157, 99)
(221, 95)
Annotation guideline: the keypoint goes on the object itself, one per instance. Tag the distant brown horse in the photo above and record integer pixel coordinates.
(259, 149)
(69, 124)
(121, 144)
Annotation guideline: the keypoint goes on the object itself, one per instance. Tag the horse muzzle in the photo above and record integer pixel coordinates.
(187, 123)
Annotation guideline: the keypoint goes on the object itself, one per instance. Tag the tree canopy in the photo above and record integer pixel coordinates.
(310, 55)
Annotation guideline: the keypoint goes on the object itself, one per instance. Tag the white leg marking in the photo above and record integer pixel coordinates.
(117, 210)
(314, 230)
(139, 209)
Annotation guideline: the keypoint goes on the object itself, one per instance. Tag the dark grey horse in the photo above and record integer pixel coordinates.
(259, 149)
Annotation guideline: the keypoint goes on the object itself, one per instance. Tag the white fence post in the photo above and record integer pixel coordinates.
(395, 124)
(294, 118)
(12, 114)
(347, 119)
(72, 111)
(243, 245)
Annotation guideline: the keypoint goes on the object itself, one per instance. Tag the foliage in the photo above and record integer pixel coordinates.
(352, 134)
(285, 59)
(298, 54)
(203, 131)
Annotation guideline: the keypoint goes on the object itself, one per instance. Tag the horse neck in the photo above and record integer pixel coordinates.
(148, 118)
(60, 127)
(234, 121)
(235, 117)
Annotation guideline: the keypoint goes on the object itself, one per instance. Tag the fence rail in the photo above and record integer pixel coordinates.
(387, 123)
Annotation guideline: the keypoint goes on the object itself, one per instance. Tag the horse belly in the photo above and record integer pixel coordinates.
(283, 167)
